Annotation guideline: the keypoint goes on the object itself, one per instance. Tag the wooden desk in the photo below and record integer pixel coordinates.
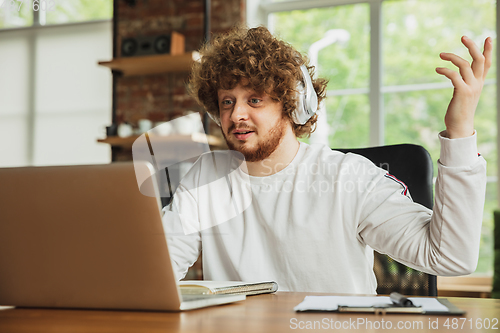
(264, 313)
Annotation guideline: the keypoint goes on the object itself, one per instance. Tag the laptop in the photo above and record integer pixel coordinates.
(85, 237)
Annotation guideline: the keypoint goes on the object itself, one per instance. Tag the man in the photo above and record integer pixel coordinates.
(304, 215)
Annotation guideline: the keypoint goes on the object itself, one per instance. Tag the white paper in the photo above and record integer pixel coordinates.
(332, 303)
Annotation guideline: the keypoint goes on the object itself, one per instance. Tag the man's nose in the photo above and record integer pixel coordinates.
(240, 112)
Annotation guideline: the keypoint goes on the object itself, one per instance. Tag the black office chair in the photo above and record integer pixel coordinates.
(495, 291)
(413, 165)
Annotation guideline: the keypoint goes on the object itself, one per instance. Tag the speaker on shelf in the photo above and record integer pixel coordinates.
(150, 45)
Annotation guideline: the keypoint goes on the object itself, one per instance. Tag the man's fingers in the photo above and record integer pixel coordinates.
(487, 53)
(456, 79)
(478, 59)
(462, 64)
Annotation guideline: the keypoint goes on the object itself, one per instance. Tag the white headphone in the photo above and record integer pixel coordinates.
(307, 103)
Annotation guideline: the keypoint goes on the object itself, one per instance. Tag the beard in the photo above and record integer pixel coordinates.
(264, 147)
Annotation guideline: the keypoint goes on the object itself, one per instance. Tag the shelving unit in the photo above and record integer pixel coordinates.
(154, 64)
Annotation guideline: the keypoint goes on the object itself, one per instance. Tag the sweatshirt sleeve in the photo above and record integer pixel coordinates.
(444, 241)
(183, 245)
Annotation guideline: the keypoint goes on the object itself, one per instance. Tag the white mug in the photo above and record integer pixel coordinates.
(162, 128)
(144, 125)
(125, 130)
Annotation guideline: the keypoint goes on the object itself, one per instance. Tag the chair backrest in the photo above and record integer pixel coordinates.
(413, 165)
(495, 291)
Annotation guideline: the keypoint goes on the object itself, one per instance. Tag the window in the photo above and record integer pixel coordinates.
(15, 14)
(24, 13)
(344, 59)
(76, 11)
(383, 86)
(55, 100)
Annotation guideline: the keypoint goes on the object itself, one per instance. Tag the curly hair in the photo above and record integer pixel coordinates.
(269, 65)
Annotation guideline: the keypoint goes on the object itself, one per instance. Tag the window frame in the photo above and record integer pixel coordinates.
(258, 14)
(32, 31)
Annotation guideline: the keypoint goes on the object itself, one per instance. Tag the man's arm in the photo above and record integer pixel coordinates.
(184, 248)
(446, 240)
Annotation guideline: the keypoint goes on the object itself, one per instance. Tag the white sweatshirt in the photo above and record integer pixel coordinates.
(312, 226)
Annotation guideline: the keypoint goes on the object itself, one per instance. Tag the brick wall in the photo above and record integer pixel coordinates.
(163, 97)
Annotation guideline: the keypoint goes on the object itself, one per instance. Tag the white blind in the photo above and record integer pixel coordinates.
(71, 95)
(14, 78)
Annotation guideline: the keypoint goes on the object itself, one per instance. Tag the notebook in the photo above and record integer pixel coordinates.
(85, 237)
(194, 287)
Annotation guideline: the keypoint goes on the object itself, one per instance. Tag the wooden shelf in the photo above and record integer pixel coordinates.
(127, 142)
(155, 64)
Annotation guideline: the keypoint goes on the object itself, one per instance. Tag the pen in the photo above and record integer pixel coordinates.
(400, 300)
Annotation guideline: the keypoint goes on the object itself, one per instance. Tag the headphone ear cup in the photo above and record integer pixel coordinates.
(307, 100)
(313, 99)
(299, 114)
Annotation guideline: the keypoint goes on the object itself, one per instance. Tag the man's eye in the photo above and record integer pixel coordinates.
(226, 102)
(255, 100)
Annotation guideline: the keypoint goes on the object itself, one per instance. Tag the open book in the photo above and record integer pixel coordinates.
(195, 287)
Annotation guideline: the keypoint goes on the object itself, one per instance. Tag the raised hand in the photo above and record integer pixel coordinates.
(468, 83)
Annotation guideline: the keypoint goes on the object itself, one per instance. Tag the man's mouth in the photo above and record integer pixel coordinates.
(242, 134)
